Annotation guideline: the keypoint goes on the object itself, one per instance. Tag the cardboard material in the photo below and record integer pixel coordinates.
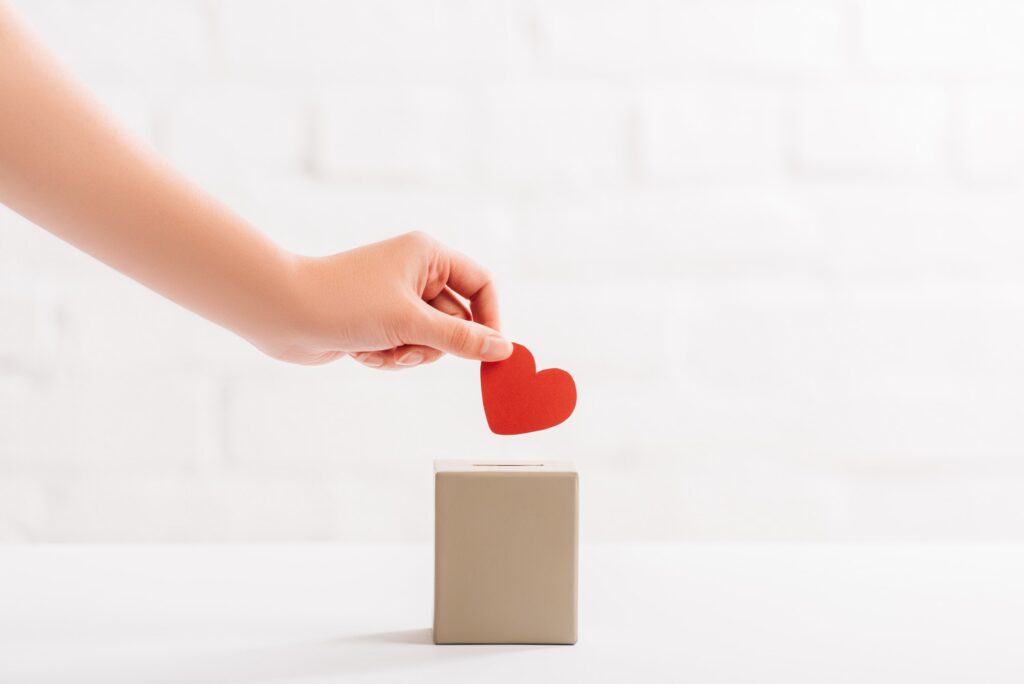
(518, 399)
(505, 552)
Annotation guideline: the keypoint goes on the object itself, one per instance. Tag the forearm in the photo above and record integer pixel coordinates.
(67, 168)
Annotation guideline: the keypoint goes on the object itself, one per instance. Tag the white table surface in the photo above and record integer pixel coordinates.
(683, 613)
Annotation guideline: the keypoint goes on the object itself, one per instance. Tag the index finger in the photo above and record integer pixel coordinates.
(472, 281)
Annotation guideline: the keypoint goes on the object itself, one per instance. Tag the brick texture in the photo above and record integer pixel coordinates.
(778, 243)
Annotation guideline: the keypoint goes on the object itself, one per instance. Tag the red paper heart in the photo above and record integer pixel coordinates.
(518, 399)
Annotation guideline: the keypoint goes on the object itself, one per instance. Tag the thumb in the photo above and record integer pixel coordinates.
(462, 338)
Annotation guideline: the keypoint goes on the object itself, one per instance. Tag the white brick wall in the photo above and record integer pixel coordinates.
(945, 38)
(993, 146)
(320, 41)
(149, 44)
(401, 135)
(221, 131)
(778, 243)
(705, 134)
(880, 130)
(542, 136)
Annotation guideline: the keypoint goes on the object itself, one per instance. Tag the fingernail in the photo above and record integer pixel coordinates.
(496, 347)
(373, 360)
(412, 358)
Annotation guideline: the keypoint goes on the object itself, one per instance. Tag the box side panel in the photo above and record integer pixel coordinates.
(505, 557)
(438, 631)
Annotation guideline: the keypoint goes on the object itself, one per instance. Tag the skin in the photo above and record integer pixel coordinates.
(67, 167)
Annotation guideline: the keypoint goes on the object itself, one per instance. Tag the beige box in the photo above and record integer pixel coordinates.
(505, 552)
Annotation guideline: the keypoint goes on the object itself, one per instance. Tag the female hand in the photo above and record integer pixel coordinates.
(391, 304)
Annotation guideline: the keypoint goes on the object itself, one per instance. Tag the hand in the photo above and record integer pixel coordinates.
(391, 304)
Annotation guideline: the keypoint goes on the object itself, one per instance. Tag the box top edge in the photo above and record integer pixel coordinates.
(486, 465)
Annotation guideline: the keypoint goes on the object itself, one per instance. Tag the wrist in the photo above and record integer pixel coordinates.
(282, 322)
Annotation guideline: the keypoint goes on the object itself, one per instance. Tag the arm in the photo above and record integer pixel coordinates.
(67, 168)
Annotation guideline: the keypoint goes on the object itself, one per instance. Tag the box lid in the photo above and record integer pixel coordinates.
(502, 466)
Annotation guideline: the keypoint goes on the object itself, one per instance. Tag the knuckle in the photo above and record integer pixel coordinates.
(418, 238)
(458, 337)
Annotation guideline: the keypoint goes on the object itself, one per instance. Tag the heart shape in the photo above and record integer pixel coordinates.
(518, 399)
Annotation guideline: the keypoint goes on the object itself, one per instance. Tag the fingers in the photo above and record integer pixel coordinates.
(409, 355)
(473, 282)
(405, 356)
(445, 325)
(447, 302)
(463, 338)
